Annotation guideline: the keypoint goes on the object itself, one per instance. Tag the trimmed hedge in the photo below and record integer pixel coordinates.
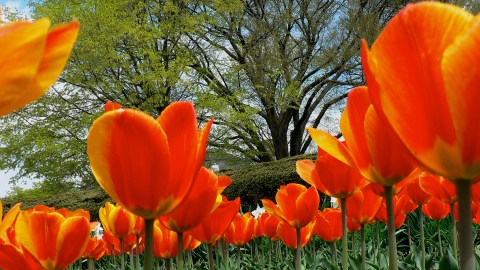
(250, 183)
(261, 181)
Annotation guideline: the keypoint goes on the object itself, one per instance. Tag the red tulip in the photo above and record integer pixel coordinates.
(288, 234)
(297, 205)
(328, 224)
(241, 229)
(436, 209)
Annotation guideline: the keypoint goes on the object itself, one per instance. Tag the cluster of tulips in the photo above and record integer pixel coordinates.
(417, 118)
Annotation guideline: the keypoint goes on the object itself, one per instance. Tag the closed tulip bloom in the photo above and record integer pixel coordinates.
(241, 230)
(427, 57)
(297, 205)
(117, 220)
(329, 175)
(32, 56)
(436, 209)
(267, 224)
(363, 205)
(95, 249)
(55, 241)
(415, 192)
(439, 187)
(405, 203)
(328, 224)
(148, 166)
(370, 144)
(398, 214)
(196, 206)
(215, 224)
(288, 234)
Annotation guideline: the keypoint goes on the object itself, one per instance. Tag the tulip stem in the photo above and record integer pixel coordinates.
(333, 249)
(422, 238)
(362, 239)
(180, 251)
(122, 255)
(454, 232)
(137, 254)
(148, 253)
(465, 232)
(439, 239)
(211, 262)
(239, 255)
(392, 241)
(343, 203)
(298, 258)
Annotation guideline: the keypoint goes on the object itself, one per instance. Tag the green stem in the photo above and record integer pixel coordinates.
(465, 231)
(132, 262)
(180, 251)
(148, 253)
(344, 234)
(454, 232)
(137, 250)
(298, 258)
(169, 263)
(392, 241)
(362, 238)
(239, 254)
(422, 239)
(333, 250)
(122, 255)
(439, 239)
(211, 262)
(409, 235)
(378, 242)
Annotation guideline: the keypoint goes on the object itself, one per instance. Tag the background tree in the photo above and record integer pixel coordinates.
(281, 65)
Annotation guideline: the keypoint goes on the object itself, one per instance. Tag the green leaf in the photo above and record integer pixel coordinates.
(448, 262)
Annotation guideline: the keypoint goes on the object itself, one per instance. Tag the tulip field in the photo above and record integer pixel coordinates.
(404, 177)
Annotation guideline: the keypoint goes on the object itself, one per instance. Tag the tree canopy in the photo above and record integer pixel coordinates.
(264, 69)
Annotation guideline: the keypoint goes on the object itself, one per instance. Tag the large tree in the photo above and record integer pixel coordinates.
(281, 66)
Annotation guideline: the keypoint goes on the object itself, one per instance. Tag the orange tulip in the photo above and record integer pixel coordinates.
(436, 209)
(371, 145)
(32, 57)
(95, 249)
(165, 242)
(55, 241)
(426, 58)
(329, 175)
(116, 220)
(241, 230)
(215, 224)
(267, 224)
(288, 234)
(328, 224)
(147, 166)
(415, 192)
(197, 205)
(438, 187)
(398, 214)
(297, 205)
(405, 203)
(363, 205)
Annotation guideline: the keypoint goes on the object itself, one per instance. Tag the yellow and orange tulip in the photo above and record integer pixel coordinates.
(146, 165)
(32, 56)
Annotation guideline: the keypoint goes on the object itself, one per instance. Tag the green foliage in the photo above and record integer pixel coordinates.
(254, 182)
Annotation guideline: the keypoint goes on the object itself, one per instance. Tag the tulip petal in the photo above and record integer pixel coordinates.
(306, 171)
(21, 49)
(130, 158)
(462, 78)
(59, 44)
(73, 237)
(405, 61)
(331, 145)
(179, 122)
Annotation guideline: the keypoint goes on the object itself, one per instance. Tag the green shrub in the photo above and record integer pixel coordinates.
(255, 182)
